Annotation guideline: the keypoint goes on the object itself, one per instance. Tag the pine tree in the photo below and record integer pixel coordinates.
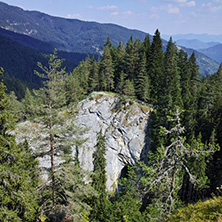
(147, 48)
(194, 91)
(29, 104)
(172, 78)
(131, 58)
(99, 204)
(121, 83)
(119, 63)
(107, 70)
(83, 71)
(142, 81)
(94, 76)
(52, 98)
(73, 193)
(156, 70)
(167, 165)
(73, 90)
(126, 204)
(129, 89)
(15, 107)
(18, 172)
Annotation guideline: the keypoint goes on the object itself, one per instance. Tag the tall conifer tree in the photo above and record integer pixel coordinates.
(18, 172)
(156, 70)
(100, 203)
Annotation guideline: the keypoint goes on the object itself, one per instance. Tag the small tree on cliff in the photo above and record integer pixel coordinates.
(99, 204)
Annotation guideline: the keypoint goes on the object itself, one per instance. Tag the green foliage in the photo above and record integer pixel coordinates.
(156, 69)
(100, 204)
(126, 205)
(72, 194)
(164, 175)
(209, 210)
(17, 172)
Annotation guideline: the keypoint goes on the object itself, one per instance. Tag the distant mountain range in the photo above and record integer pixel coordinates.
(29, 36)
(209, 45)
(214, 52)
(195, 43)
(201, 37)
(65, 34)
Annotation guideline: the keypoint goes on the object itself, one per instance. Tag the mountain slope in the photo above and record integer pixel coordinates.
(206, 65)
(214, 52)
(195, 43)
(19, 61)
(65, 34)
(72, 35)
(202, 37)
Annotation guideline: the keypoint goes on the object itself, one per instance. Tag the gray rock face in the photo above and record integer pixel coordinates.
(123, 126)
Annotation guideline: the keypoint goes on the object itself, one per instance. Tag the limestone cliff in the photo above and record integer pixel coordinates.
(123, 123)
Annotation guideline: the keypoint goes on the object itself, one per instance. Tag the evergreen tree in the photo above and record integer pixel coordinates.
(131, 58)
(73, 91)
(142, 81)
(119, 63)
(73, 193)
(107, 70)
(215, 117)
(166, 168)
(126, 204)
(147, 48)
(18, 177)
(194, 91)
(156, 70)
(15, 107)
(129, 88)
(172, 78)
(52, 98)
(121, 83)
(99, 204)
(29, 103)
(94, 76)
(83, 72)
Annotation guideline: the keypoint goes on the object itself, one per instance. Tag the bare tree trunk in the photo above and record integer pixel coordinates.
(173, 183)
(52, 156)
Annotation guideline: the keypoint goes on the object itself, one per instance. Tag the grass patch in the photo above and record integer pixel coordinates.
(209, 210)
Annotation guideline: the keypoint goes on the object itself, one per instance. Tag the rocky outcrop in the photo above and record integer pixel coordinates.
(123, 124)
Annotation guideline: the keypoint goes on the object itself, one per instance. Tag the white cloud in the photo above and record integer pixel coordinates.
(178, 1)
(107, 7)
(173, 9)
(154, 16)
(191, 4)
(77, 15)
(218, 1)
(184, 3)
(127, 13)
(211, 8)
(115, 13)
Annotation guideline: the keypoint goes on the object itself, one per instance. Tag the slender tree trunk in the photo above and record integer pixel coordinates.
(173, 183)
(52, 156)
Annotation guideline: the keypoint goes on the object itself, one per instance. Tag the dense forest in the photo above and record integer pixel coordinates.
(184, 162)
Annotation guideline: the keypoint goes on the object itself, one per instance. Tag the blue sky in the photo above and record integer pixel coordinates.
(169, 16)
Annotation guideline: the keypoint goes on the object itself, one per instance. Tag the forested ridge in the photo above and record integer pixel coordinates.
(184, 162)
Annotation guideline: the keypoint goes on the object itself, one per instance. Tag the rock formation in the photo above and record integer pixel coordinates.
(123, 122)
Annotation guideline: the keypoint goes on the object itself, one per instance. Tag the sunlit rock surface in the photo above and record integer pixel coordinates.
(123, 123)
